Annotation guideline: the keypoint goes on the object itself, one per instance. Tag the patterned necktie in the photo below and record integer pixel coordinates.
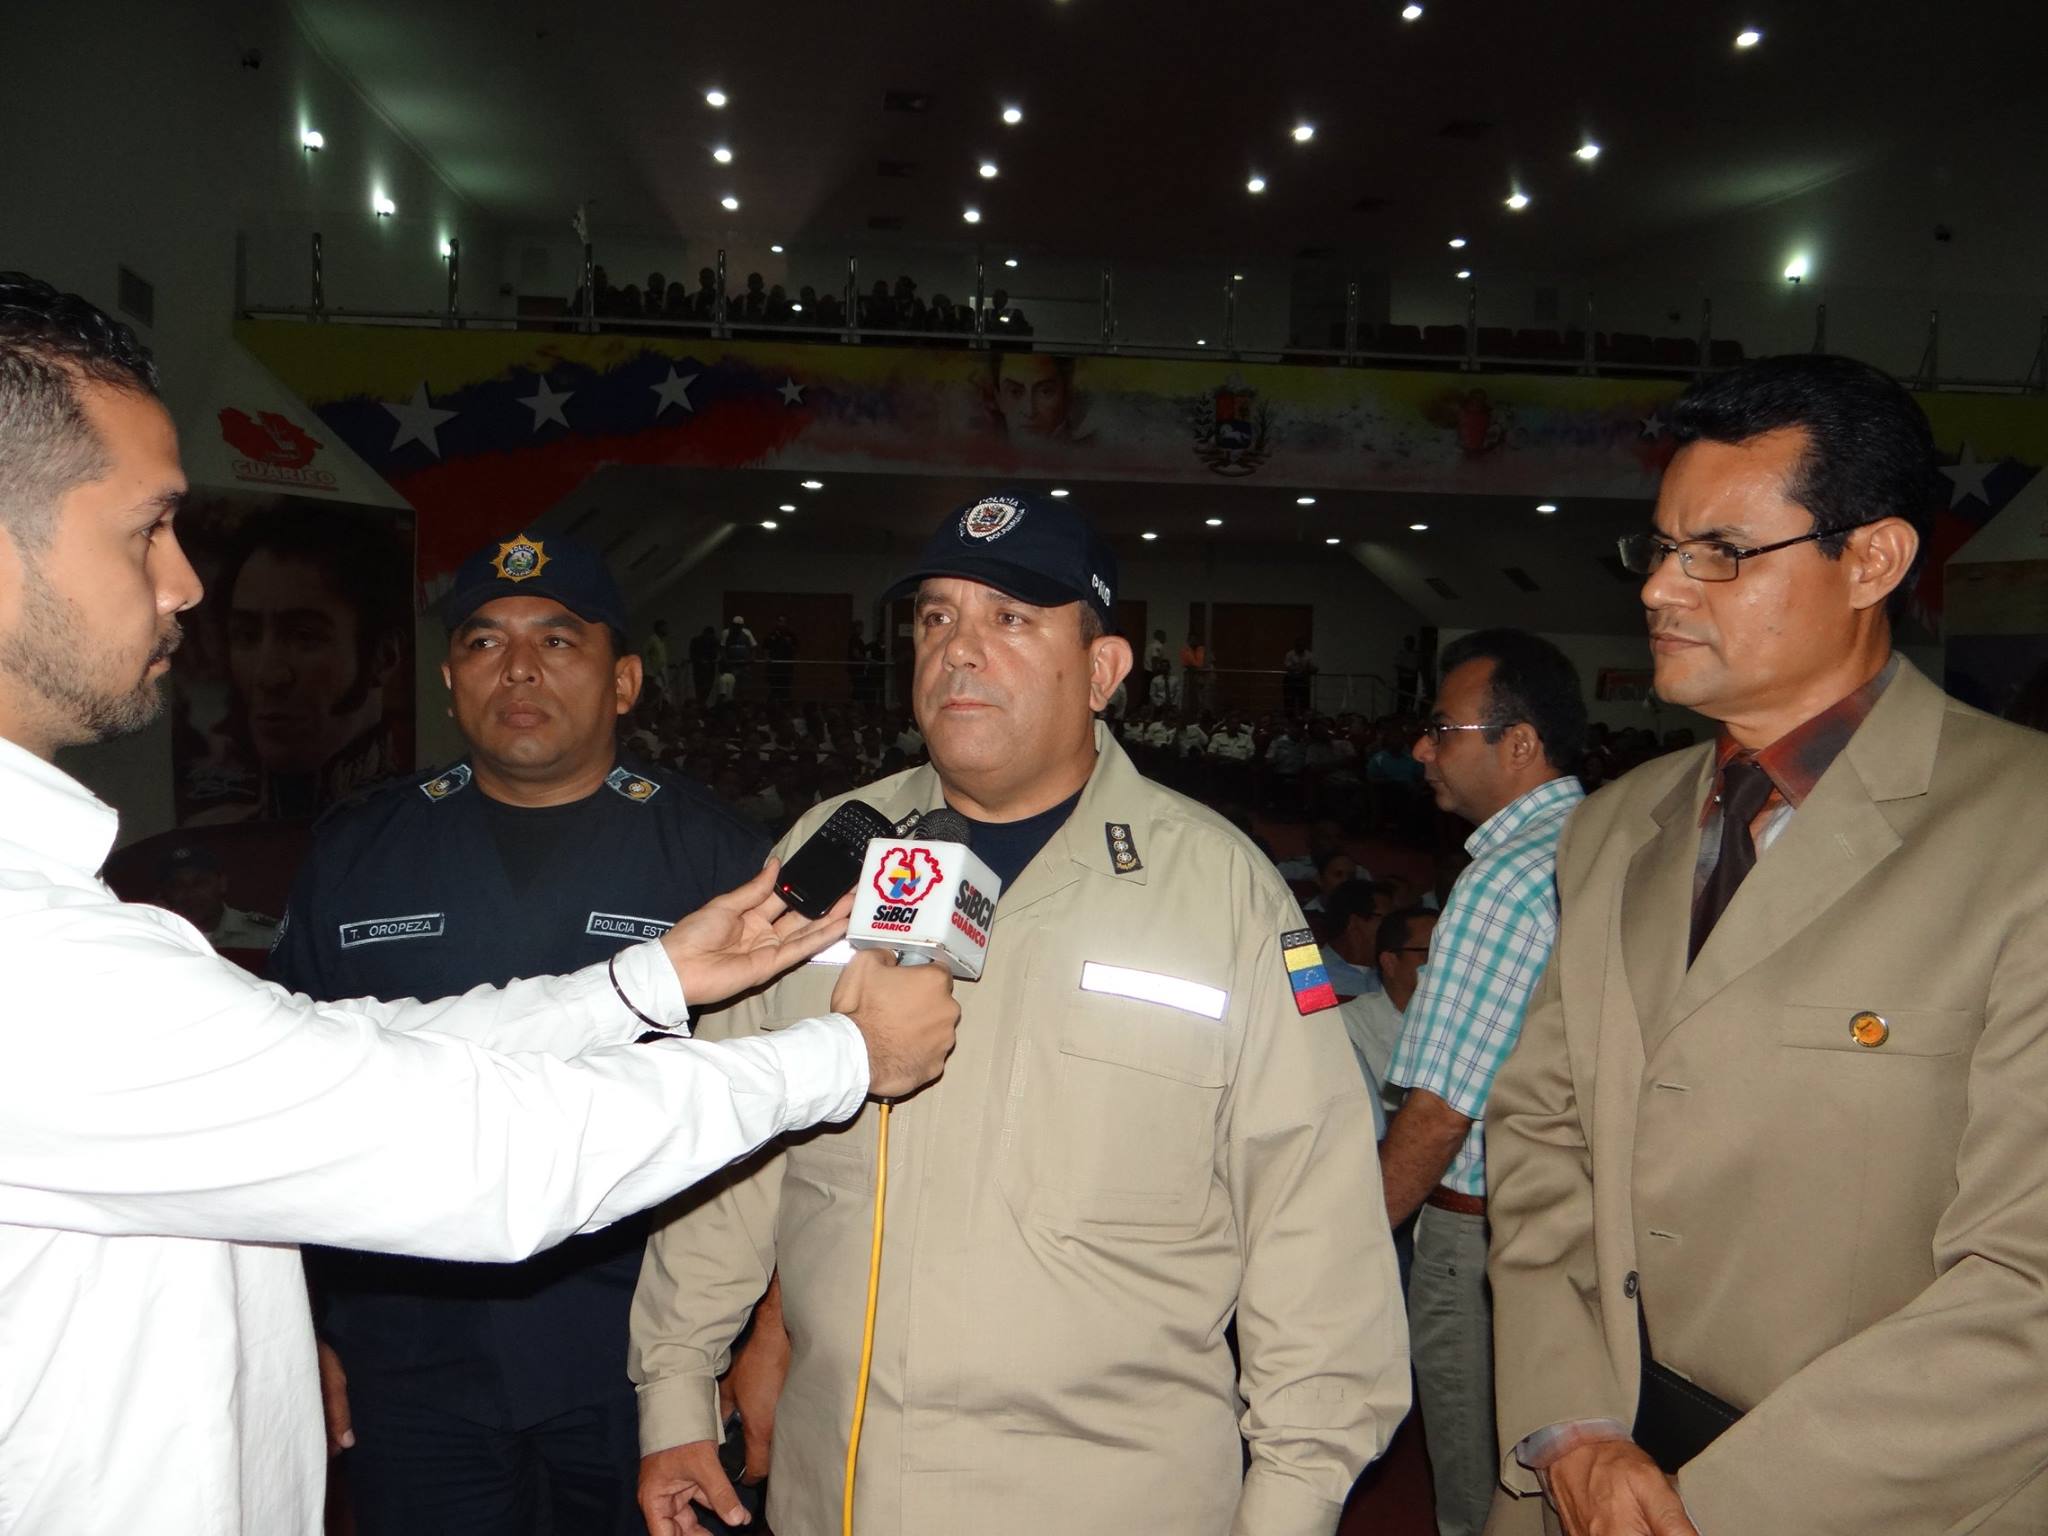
(1744, 789)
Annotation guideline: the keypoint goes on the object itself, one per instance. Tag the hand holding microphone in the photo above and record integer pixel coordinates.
(907, 1015)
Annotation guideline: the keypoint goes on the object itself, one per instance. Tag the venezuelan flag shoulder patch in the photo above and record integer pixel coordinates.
(1306, 972)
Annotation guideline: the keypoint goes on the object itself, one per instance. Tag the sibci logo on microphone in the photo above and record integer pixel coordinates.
(929, 900)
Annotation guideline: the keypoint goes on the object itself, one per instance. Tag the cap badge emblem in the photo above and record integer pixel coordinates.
(990, 520)
(520, 559)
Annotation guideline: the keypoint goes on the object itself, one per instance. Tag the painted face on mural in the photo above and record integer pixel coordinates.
(1035, 392)
(295, 653)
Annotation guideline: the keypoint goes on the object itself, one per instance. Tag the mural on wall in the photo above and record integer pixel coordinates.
(484, 431)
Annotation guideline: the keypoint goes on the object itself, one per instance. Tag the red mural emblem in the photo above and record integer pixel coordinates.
(268, 438)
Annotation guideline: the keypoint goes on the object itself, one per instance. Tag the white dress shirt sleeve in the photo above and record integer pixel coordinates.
(148, 1087)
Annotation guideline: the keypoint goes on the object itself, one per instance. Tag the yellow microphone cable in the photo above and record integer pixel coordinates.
(867, 1332)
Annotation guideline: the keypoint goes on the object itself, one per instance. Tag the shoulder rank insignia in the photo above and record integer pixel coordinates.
(520, 559)
(453, 782)
(1306, 972)
(628, 783)
(1123, 853)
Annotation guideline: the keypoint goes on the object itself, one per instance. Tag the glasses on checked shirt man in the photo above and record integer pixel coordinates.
(1709, 559)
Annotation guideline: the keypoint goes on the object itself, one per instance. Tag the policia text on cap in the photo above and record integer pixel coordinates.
(170, 1126)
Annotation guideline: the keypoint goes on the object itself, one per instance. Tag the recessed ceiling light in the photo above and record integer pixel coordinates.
(1303, 132)
(1009, 261)
(1059, 490)
(1237, 277)
(1304, 501)
(796, 309)
(1588, 151)
(729, 203)
(988, 170)
(313, 138)
(1418, 527)
(1748, 37)
(1333, 541)
(1518, 200)
(384, 207)
(787, 506)
(814, 485)
(714, 98)
(971, 215)
(775, 249)
(1457, 242)
(1013, 115)
(1148, 537)
(1256, 184)
(1795, 269)
(722, 155)
(1201, 341)
(1546, 506)
(1213, 522)
(770, 524)
(1411, 13)
(1463, 274)
(447, 249)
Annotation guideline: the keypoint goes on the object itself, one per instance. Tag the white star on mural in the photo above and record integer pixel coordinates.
(546, 404)
(418, 421)
(673, 391)
(1966, 478)
(1651, 426)
(792, 392)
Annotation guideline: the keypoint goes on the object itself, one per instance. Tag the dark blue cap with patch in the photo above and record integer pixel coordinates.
(1028, 545)
(567, 570)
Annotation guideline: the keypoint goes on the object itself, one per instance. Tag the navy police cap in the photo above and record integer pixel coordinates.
(1030, 546)
(567, 570)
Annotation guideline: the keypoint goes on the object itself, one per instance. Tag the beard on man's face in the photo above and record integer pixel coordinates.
(51, 652)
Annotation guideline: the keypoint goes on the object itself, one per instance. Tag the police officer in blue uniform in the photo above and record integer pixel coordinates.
(493, 1398)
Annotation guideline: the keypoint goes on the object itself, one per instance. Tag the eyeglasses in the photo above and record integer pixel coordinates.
(1709, 559)
(1437, 730)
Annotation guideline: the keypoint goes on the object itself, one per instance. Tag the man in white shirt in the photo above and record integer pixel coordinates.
(1398, 946)
(170, 1127)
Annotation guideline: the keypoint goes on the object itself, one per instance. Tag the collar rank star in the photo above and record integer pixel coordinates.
(1123, 853)
(1306, 973)
(625, 782)
(520, 559)
(453, 782)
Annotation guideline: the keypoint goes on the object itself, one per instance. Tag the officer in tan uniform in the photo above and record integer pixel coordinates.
(1151, 1124)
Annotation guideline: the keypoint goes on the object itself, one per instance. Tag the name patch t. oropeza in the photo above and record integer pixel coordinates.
(382, 930)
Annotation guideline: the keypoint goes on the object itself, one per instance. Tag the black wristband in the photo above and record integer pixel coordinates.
(612, 969)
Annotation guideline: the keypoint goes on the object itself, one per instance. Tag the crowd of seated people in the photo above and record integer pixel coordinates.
(759, 303)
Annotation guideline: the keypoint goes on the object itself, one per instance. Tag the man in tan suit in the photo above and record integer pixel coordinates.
(1780, 1110)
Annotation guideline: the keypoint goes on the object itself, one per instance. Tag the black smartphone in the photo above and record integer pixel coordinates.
(824, 869)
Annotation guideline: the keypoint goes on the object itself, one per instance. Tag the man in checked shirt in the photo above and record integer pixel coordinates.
(1508, 716)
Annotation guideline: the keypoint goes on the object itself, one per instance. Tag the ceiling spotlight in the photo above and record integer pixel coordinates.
(1058, 490)
(1411, 13)
(1304, 501)
(1457, 242)
(729, 203)
(1333, 541)
(1213, 522)
(1201, 341)
(988, 170)
(1009, 261)
(1256, 184)
(1518, 201)
(1748, 37)
(1795, 269)
(1303, 132)
(770, 524)
(384, 207)
(722, 155)
(447, 249)
(1588, 151)
(787, 506)
(314, 139)
(1546, 506)
(714, 97)
(796, 309)
(775, 250)
(814, 485)
(1013, 115)
(1418, 527)
(971, 215)
(1148, 537)
(1237, 277)
(1463, 274)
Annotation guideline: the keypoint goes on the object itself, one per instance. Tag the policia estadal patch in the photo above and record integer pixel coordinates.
(1123, 853)
(1306, 973)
